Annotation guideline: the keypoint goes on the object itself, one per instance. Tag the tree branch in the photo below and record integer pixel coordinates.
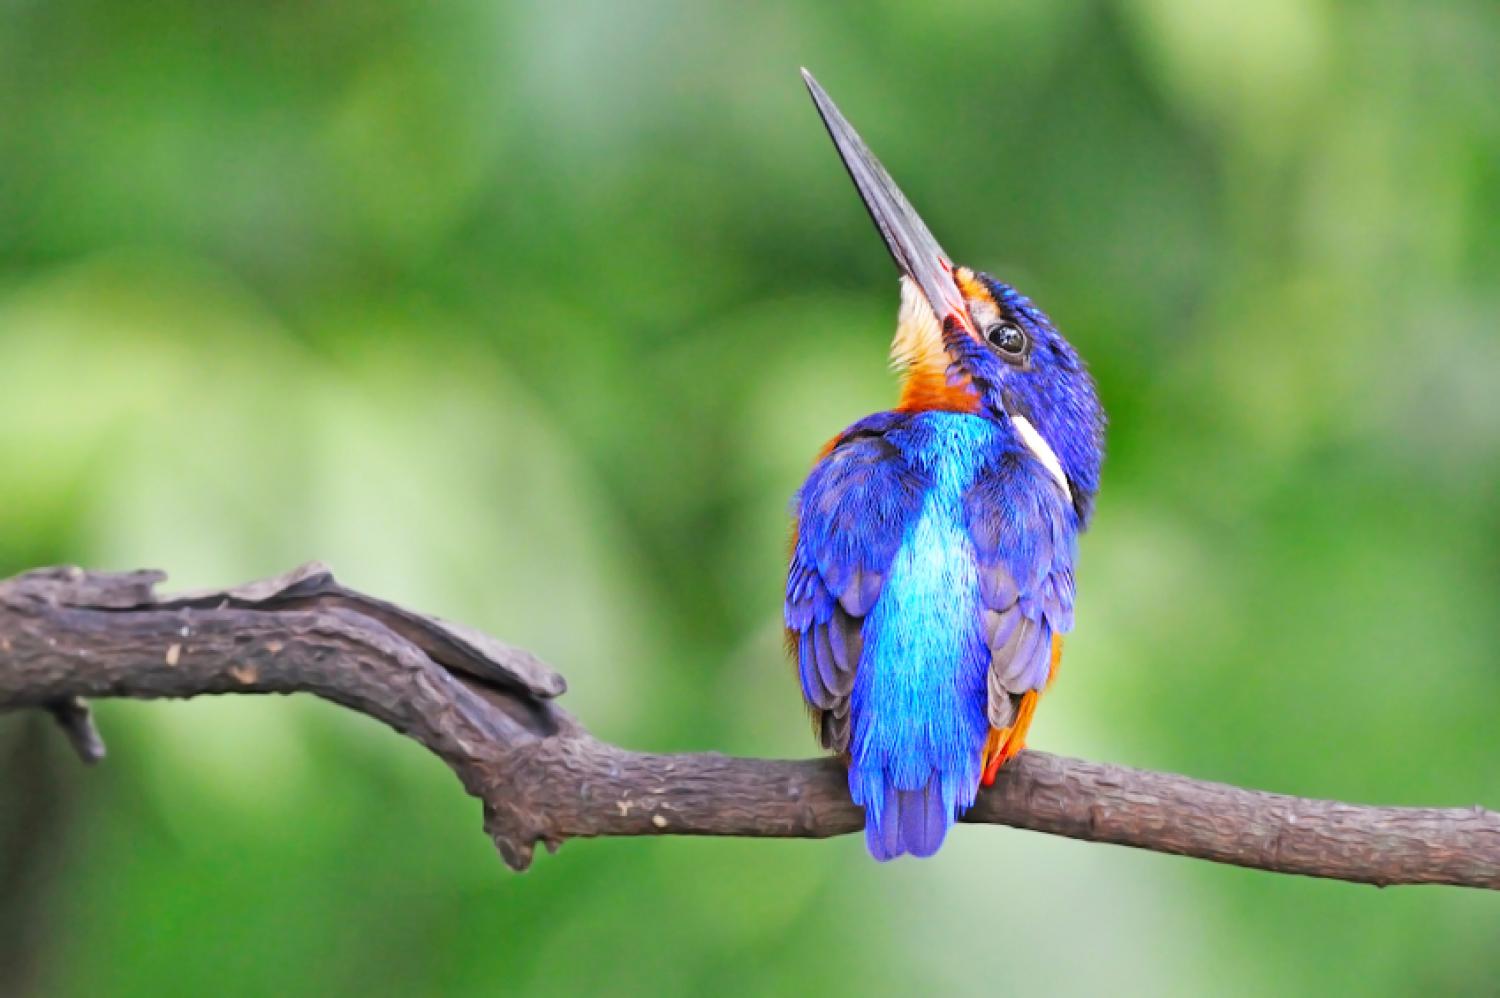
(489, 711)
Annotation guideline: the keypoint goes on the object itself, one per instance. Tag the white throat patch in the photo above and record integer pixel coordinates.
(919, 338)
(1045, 454)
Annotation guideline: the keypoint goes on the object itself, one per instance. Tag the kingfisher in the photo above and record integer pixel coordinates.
(931, 575)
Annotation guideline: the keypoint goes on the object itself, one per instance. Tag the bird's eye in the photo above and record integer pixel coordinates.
(1007, 338)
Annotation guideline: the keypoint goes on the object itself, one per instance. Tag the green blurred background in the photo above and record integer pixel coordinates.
(533, 315)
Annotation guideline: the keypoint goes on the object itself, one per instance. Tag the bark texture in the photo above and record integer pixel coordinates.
(489, 710)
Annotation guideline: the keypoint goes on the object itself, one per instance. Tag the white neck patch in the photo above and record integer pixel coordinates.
(1043, 453)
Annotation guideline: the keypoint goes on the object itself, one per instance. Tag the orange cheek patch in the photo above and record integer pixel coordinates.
(969, 285)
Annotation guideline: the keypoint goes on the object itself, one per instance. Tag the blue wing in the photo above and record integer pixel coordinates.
(1025, 539)
(919, 764)
(851, 516)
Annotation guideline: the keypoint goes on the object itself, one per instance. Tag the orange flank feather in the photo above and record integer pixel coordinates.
(1006, 743)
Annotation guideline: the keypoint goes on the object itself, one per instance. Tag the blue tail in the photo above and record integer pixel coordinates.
(909, 822)
(918, 707)
(916, 719)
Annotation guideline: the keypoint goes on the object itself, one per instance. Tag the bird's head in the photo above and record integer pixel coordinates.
(970, 343)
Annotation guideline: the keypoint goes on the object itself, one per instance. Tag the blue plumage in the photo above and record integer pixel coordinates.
(921, 508)
(933, 564)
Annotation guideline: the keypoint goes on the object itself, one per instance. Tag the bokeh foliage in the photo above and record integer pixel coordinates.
(532, 315)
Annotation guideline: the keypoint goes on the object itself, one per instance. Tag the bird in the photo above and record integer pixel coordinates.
(931, 572)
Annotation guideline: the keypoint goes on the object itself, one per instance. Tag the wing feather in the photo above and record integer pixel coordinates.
(853, 512)
(851, 515)
(1024, 536)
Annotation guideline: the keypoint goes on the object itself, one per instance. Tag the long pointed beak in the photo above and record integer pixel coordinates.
(917, 253)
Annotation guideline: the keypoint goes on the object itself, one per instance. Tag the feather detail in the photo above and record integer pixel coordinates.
(931, 568)
(918, 352)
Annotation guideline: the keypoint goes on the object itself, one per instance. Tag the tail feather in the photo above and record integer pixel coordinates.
(909, 821)
(924, 821)
(883, 829)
